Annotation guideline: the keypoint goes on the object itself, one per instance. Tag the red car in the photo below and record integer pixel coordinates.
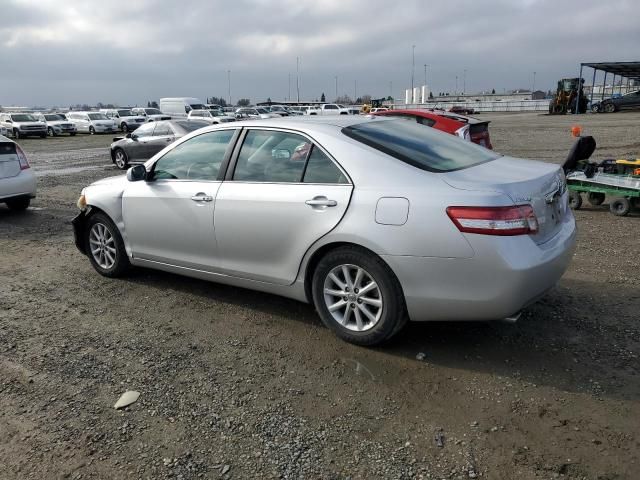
(469, 128)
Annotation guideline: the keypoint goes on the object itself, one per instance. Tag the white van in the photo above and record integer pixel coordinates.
(180, 106)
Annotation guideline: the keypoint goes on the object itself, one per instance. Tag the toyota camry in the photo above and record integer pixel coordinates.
(373, 221)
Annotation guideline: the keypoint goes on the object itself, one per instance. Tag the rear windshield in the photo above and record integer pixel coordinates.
(192, 125)
(419, 145)
(98, 116)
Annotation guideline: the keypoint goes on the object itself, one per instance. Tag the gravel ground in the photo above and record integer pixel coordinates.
(238, 384)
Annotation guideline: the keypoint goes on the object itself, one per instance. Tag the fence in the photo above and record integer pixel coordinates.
(494, 106)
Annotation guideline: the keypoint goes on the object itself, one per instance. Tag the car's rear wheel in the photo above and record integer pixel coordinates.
(124, 128)
(120, 158)
(595, 198)
(609, 107)
(50, 132)
(105, 247)
(16, 133)
(92, 131)
(620, 206)
(575, 200)
(595, 108)
(358, 297)
(18, 204)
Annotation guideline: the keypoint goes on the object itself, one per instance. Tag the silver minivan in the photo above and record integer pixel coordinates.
(92, 122)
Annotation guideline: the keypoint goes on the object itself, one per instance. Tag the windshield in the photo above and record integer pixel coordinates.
(198, 106)
(191, 125)
(419, 145)
(152, 111)
(54, 118)
(261, 110)
(125, 113)
(98, 116)
(23, 117)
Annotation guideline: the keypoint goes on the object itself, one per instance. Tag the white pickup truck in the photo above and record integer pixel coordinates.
(332, 109)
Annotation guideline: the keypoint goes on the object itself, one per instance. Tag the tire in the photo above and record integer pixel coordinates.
(595, 198)
(575, 200)
(44, 135)
(92, 131)
(124, 128)
(19, 204)
(374, 315)
(50, 132)
(595, 108)
(104, 246)
(635, 202)
(620, 206)
(120, 159)
(609, 107)
(16, 133)
(73, 134)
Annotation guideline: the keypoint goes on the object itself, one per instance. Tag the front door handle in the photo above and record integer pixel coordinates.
(202, 197)
(321, 202)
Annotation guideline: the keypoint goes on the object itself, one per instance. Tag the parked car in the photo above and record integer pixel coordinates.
(17, 181)
(378, 110)
(629, 101)
(124, 118)
(468, 128)
(254, 112)
(212, 117)
(333, 109)
(57, 124)
(23, 125)
(180, 106)
(311, 110)
(92, 122)
(462, 110)
(333, 211)
(280, 110)
(149, 139)
(150, 114)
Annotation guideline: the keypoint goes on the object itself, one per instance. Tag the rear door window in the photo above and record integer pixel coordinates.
(417, 145)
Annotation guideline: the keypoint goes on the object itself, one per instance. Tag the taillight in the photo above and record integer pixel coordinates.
(22, 158)
(516, 220)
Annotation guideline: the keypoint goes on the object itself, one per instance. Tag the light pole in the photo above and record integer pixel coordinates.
(336, 86)
(289, 95)
(533, 88)
(229, 85)
(391, 89)
(425, 73)
(464, 82)
(355, 90)
(298, 79)
(413, 67)
(456, 84)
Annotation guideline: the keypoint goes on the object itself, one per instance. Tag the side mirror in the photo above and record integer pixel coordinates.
(137, 173)
(128, 135)
(133, 136)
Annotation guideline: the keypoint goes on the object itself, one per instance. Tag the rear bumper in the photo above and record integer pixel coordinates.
(22, 185)
(505, 275)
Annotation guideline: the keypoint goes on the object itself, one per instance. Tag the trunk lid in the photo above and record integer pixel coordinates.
(9, 163)
(541, 185)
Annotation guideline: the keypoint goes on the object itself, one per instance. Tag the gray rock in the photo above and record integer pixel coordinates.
(126, 399)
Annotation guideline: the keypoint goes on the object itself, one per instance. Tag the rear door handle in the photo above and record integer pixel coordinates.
(201, 197)
(321, 202)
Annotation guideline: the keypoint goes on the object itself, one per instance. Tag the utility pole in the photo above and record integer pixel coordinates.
(289, 96)
(456, 84)
(298, 79)
(413, 67)
(425, 73)
(229, 85)
(355, 90)
(391, 89)
(336, 86)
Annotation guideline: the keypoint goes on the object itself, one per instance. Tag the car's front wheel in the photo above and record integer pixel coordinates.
(609, 107)
(124, 127)
(358, 297)
(120, 158)
(92, 131)
(105, 247)
(50, 132)
(18, 204)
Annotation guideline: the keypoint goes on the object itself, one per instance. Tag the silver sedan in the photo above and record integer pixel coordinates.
(374, 221)
(17, 181)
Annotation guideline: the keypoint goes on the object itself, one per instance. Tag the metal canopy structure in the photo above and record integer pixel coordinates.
(628, 70)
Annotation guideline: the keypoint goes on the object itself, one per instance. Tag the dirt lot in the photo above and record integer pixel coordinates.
(238, 384)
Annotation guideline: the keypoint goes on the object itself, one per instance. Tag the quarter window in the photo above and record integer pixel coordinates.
(145, 130)
(321, 169)
(199, 158)
(162, 130)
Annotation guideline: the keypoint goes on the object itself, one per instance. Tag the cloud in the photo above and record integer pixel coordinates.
(56, 52)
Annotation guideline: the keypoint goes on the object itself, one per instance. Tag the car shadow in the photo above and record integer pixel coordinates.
(579, 338)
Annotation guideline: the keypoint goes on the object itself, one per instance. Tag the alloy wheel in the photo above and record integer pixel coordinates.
(102, 245)
(121, 159)
(353, 297)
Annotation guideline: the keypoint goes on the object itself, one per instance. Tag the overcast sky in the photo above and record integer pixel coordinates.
(59, 52)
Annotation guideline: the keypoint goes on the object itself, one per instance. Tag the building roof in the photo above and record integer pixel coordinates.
(625, 69)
